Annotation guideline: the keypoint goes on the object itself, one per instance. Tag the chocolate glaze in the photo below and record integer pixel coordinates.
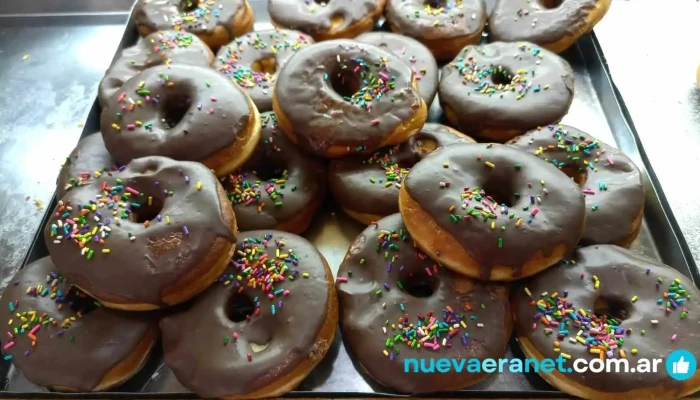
(213, 369)
(613, 186)
(413, 53)
(264, 174)
(77, 355)
(205, 17)
(312, 17)
(622, 276)
(213, 111)
(163, 252)
(350, 177)
(467, 87)
(236, 59)
(87, 162)
(363, 315)
(158, 48)
(322, 118)
(447, 21)
(558, 221)
(518, 20)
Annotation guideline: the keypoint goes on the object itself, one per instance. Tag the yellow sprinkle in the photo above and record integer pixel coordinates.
(595, 351)
(677, 280)
(463, 324)
(568, 357)
(580, 339)
(9, 322)
(386, 353)
(26, 57)
(105, 251)
(634, 299)
(553, 295)
(597, 284)
(490, 164)
(520, 222)
(493, 224)
(557, 350)
(622, 354)
(167, 219)
(199, 185)
(150, 200)
(527, 291)
(305, 274)
(634, 351)
(542, 181)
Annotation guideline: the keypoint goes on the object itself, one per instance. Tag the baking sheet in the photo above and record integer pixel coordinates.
(596, 109)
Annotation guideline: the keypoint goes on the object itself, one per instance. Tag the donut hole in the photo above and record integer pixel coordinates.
(345, 82)
(500, 192)
(425, 145)
(322, 3)
(337, 20)
(501, 76)
(240, 307)
(267, 65)
(174, 108)
(550, 4)
(270, 172)
(189, 5)
(145, 210)
(612, 307)
(79, 302)
(435, 3)
(578, 174)
(420, 287)
(257, 347)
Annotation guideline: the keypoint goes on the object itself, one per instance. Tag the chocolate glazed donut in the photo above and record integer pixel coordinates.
(262, 327)
(413, 53)
(490, 211)
(252, 61)
(388, 290)
(164, 224)
(78, 345)
(499, 90)
(367, 188)
(159, 48)
(552, 24)
(181, 112)
(279, 187)
(216, 22)
(87, 162)
(611, 183)
(323, 20)
(639, 307)
(444, 26)
(341, 97)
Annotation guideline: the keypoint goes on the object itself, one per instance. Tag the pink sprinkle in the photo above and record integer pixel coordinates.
(132, 190)
(588, 191)
(375, 121)
(8, 345)
(534, 326)
(121, 97)
(436, 347)
(427, 271)
(36, 328)
(286, 292)
(403, 50)
(10, 335)
(674, 337)
(235, 335)
(535, 211)
(131, 127)
(341, 279)
(357, 68)
(213, 98)
(384, 76)
(426, 344)
(610, 160)
(211, 111)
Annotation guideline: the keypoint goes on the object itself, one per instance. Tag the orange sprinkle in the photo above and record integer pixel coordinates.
(544, 320)
(147, 224)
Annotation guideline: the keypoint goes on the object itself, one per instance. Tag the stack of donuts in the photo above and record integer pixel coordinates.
(218, 146)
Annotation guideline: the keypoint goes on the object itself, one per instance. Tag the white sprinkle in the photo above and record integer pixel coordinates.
(57, 241)
(479, 325)
(132, 238)
(654, 321)
(384, 329)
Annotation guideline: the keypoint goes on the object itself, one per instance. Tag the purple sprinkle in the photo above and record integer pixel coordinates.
(122, 168)
(179, 171)
(108, 221)
(184, 229)
(92, 202)
(295, 262)
(155, 100)
(187, 179)
(648, 270)
(26, 353)
(401, 268)
(59, 333)
(157, 183)
(388, 266)
(657, 285)
(51, 274)
(279, 304)
(386, 286)
(17, 282)
(160, 218)
(464, 341)
(566, 293)
(96, 239)
(99, 214)
(537, 315)
(391, 356)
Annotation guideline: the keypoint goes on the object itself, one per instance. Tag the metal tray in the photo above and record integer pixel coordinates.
(597, 109)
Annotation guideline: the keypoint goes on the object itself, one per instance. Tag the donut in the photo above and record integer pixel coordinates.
(444, 26)
(390, 295)
(164, 224)
(367, 187)
(552, 24)
(158, 48)
(252, 61)
(181, 112)
(341, 97)
(324, 20)
(491, 212)
(619, 305)
(87, 162)
(62, 339)
(279, 187)
(611, 183)
(216, 22)
(498, 91)
(413, 53)
(262, 327)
